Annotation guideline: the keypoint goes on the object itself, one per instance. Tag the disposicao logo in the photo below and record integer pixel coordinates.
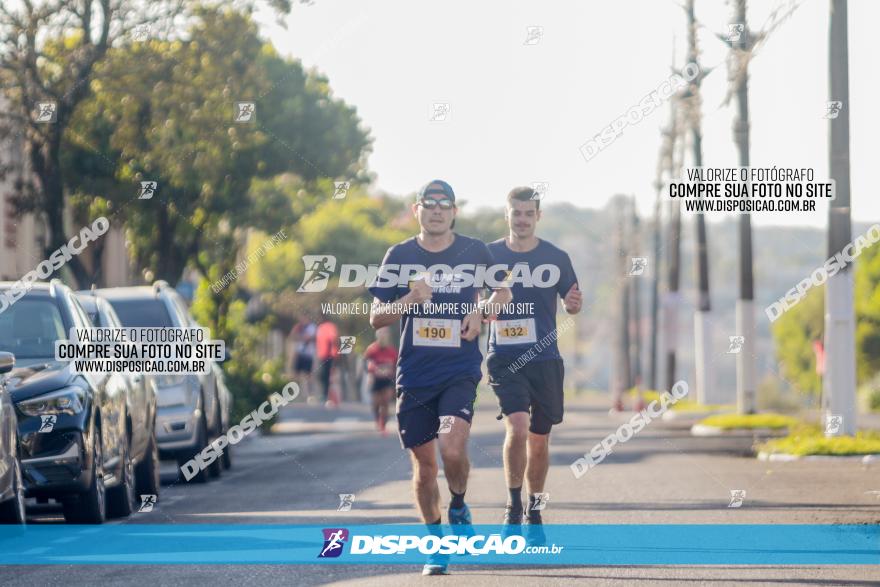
(318, 269)
(334, 540)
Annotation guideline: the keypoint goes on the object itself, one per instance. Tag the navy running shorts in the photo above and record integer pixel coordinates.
(420, 410)
(535, 388)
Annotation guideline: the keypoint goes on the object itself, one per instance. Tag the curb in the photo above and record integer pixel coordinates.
(673, 414)
(783, 457)
(703, 430)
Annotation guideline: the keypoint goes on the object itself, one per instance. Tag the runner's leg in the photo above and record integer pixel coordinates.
(517, 425)
(547, 409)
(425, 469)
(325, 378)
(513, 391)
(453, 449)
(384, 399)
(306, 384)
(536, 475)
(538, 461)
(376, 398)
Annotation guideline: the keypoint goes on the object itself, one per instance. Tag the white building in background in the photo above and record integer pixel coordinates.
(20, 238)
(23, 237)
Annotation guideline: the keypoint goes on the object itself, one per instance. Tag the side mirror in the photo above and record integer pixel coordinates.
(7, 362)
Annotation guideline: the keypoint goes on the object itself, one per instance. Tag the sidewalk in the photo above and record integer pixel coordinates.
(348, 417)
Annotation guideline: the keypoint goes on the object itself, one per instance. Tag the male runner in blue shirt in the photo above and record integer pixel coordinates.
(525, 368)
(439, 364)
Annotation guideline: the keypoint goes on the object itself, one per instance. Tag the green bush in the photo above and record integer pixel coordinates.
(682, 405)
(749, 421)
(773, 398)
(869, 395)
(795, 331)
(250, 377)
(809, 440)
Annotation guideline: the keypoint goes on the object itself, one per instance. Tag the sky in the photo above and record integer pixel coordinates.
(518, 111)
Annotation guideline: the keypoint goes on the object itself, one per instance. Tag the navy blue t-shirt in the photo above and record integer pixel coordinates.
(515, 333)
(432, 351)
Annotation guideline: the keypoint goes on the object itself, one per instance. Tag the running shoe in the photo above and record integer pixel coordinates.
(513, 519)
(535, 531)
(461, 517)
(513, 515)
(436, 565)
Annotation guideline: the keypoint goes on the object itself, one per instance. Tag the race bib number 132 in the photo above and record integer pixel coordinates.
(515, 331)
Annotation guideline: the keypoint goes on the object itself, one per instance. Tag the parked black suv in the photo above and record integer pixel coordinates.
(74, 429)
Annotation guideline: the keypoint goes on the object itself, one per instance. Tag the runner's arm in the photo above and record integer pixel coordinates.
(573, 300)
(499, 297)
(569, 290)
(470, 326)
(387, 313)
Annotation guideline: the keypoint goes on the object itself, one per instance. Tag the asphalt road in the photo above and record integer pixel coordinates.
(661, 476)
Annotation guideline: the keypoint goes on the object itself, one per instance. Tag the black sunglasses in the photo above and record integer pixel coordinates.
(431, 203)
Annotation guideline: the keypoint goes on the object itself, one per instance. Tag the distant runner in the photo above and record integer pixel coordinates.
(439, 365)
(525, 368)
(303, 334)
(327, 349)
(381, 359)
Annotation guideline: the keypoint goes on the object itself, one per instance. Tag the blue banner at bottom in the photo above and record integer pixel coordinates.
(628, 544)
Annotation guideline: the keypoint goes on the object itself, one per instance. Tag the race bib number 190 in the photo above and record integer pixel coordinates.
(438, 332)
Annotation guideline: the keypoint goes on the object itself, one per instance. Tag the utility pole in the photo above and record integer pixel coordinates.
(621, 380)
(702, 318)
(745, 305)
(665, 151)
(673, 248)
(839, 383)
(655, 291)
(636, 301)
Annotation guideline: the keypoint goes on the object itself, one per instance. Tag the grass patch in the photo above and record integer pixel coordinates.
(809, 440)
(749, 421)
(684, 405)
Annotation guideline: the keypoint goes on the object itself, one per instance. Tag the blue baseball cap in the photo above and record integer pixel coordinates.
(434, 187)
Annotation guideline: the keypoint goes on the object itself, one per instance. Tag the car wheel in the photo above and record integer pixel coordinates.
(90, 506)
(147, 472)
(12, 510)
(226, 459)
(216, 467)
(201, 439)
(121, 500)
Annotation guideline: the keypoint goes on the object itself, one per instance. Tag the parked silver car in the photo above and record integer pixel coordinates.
(142, 403)
(193, 409)
(11, 482)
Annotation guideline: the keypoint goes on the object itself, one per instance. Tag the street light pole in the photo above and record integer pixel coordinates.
(706, 393)
(745, 305)
(839, 383)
